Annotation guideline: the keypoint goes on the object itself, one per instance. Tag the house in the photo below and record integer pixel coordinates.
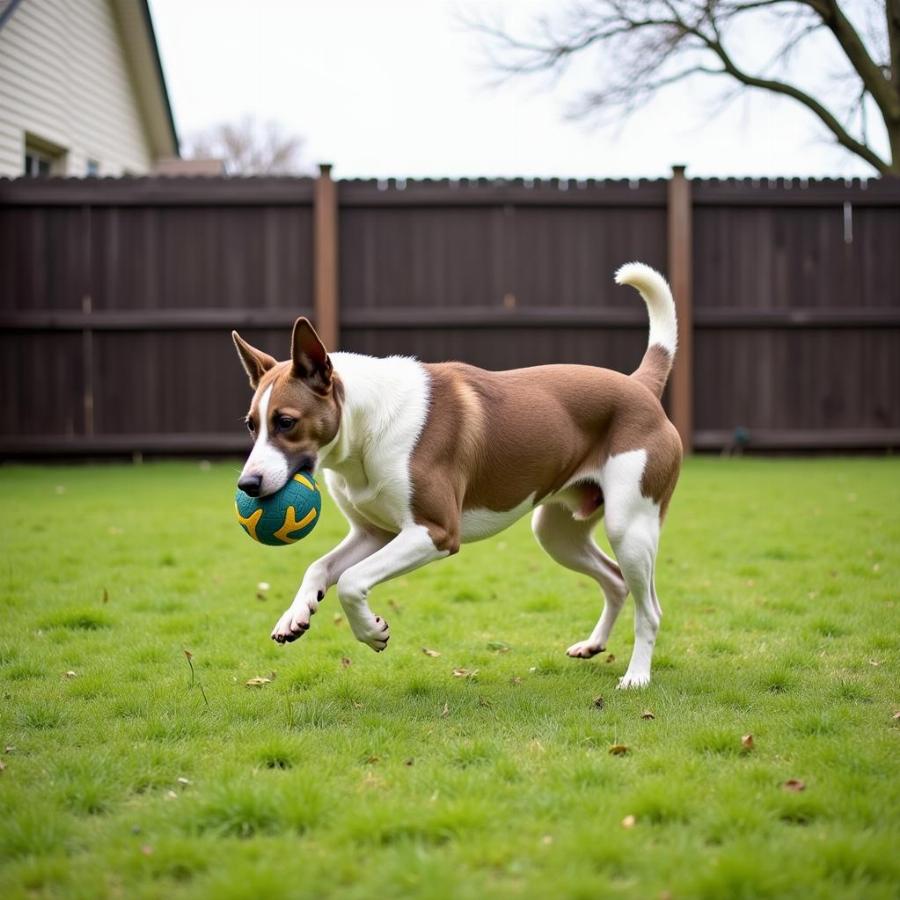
(82, 90)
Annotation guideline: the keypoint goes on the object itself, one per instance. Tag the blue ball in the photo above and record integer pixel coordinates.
(284, 517)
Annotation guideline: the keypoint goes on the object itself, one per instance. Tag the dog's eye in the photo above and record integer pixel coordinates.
(249, 424)
(284, 423)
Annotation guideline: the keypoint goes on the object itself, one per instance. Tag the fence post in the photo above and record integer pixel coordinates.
(325, 257)
(680, 277)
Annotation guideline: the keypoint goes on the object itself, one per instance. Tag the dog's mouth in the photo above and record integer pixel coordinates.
(306, 463)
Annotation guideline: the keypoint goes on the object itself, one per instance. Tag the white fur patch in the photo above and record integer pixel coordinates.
(478, 524)
(660, 305)
(265, 460)
(367, 465)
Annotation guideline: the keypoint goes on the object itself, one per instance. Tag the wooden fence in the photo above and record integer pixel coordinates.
(117, 296)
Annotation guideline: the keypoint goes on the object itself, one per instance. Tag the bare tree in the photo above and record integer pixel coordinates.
(643, 46)
(249, 147)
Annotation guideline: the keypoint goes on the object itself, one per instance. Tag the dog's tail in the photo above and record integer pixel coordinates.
(653, 372)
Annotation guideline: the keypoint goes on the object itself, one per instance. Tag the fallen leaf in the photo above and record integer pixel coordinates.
(629, 822)
(371, 760)
(618, 750)
(795, 785)
(747, 741)
(533, 669)
(445, 711)
(346, 662)
(515, 680)
(184, 782)
(895, 717)
(2, 765)
(338, 618)
(259, 681)
(599, 702)
(263, 586)
(428, 652)
(498, 646)
(874, 662)
(465, 673)
(646, 714)
(70, 674)
(610, 657)
(171, 795)
(10, 749)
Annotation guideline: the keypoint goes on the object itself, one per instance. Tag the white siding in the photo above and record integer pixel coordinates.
(64, 77)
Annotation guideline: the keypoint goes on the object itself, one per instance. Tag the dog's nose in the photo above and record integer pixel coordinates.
(250, 485)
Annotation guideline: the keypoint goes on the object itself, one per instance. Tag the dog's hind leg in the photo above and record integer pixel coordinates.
(569, 541)
(633, 524)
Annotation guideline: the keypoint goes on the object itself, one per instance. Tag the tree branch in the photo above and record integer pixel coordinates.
(780, 87)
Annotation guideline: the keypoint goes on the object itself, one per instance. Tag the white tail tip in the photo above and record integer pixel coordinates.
(660, 305)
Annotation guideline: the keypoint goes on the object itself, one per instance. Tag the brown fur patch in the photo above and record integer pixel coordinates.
(653, 372)
(539, 427)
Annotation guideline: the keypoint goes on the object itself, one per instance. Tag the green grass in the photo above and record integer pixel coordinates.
(391, 777)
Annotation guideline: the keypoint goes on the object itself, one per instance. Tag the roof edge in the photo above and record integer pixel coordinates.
(154, 46)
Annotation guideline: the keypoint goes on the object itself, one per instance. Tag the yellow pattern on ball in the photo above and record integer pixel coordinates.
(291, 523)
(305, 481)
(249, 522)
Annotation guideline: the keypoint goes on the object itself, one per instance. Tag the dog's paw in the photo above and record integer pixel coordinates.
(633, 680)
(584, 650)
(294, 623)
(374, 633)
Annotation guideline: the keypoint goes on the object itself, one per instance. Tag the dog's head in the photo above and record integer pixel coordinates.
(295, 411)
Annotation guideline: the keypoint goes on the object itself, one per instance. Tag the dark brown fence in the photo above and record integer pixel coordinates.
(117, 296)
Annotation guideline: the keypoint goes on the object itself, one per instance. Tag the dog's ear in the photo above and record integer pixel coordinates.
(255, 362)
(309, 358)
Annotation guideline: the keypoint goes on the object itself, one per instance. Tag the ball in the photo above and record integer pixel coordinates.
(284, 517)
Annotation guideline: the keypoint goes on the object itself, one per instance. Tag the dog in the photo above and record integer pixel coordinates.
(424, 457)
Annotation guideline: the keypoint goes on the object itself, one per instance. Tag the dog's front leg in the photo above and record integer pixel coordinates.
(411, 548)
(321, 575)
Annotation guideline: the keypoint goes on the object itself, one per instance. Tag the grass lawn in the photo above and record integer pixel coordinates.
(357, 774)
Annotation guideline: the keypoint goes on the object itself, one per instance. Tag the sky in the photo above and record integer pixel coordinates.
(401, 88)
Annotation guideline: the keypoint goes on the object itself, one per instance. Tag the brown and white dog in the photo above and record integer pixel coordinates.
(424, 457)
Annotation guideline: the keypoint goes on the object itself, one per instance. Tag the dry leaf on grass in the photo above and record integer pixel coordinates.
(70, 674)
(610, 657)
(795, 785)
(428, 652)
(646, 714)
(619, 750)
(515, 680)
(9, 749)
(371, 760)
(2, 765)
(747, 741)
(445, 711)
(599, 702)
(338, 618)
(259, 681)
(184, 782)
(465, 673)
(629, 822)
(346, 662)
(896, 716)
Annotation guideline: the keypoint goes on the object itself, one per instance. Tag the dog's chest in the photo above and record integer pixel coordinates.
(382, 503)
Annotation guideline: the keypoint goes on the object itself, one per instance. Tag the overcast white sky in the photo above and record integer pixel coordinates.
(399, 88)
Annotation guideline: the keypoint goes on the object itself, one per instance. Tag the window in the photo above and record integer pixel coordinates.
(36, 163)
(43, 158)
(93, 168)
